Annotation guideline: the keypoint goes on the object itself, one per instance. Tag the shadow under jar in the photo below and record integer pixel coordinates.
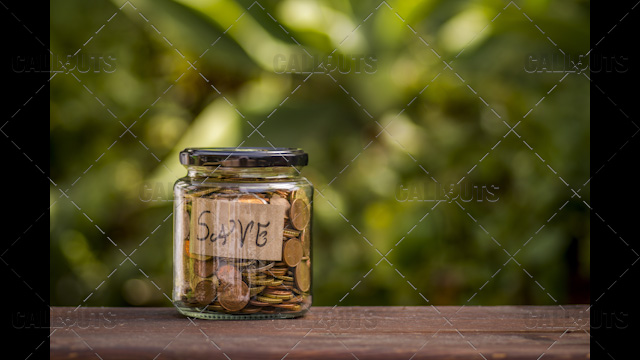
(242, 234)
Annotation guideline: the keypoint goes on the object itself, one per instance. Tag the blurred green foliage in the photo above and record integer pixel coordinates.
(162, 75)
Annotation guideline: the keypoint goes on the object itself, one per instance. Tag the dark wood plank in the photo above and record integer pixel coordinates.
(447, 332)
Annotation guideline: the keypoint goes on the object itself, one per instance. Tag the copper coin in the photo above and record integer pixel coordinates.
(287, 306)
(205, 292)
(235, 297)
(276, 291)
(303, 276)
(292, 252)
(228, 274)
(251, 310)
(299, 214)
(258, 303)
(204, 268)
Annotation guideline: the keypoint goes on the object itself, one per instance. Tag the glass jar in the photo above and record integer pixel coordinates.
(242, 234)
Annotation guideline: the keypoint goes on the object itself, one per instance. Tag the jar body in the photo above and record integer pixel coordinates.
(242, 243)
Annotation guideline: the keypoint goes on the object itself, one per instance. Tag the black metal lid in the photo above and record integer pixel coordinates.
(244, 157)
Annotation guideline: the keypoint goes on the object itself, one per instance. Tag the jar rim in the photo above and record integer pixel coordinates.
(243, 156)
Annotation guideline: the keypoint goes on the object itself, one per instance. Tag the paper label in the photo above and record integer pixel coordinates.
(237, 229)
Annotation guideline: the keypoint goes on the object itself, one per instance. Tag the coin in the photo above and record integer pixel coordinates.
(278, 296)
(262, 282)
(259, 269)
(253, 277)
(305, 238)
(228, 274)
(204, 268)
(258, 303)
(255, 290)
(293, 307)
(294, 300)
(298, 194)
(215, 306)
(290, 233)
(234, 297)
(303, 276)
(251, 310)
(299, 214)
(205, 292)
(285, 278)
(252, 199)
(292, 252)
(276, 272)
(268, 300)
(201, 193)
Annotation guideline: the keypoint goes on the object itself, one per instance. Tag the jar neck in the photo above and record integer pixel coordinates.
(248, 173)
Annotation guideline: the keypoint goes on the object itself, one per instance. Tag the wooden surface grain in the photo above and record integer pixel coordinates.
(444, 332)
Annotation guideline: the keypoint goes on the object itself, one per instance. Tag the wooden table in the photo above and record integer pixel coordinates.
(425, 332)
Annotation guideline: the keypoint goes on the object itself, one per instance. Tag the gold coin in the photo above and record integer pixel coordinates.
(259, 269)
(275, 282)
(299, 214)
(204, 268)
(201, 193)
(234, 297)
(228, 274)
(278, 296)
(292, 252)
(305, 238)
(268, 300)
(303, 276)
(276, 273)
(285, 278)
(262, 282)
(252, 276)
(252, 199)
(290, 233)
(255, 290)
(205, 292)
(298, 194)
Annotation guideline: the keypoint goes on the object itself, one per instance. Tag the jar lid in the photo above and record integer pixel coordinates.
(244, 157)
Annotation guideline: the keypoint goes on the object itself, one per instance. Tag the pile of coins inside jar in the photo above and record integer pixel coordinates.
(249, 286)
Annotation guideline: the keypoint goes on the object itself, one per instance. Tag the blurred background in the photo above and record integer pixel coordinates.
(405, 109)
